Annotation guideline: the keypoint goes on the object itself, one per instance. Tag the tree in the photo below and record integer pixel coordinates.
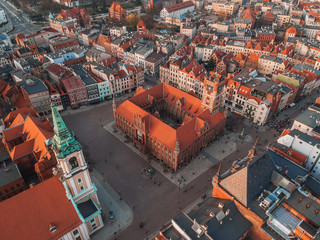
(138, 2)
(143, 10)
(132, 21)
(211, 64)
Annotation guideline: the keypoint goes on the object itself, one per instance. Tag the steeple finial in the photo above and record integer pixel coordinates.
(216, 178)
(64, 141)
(252, 151)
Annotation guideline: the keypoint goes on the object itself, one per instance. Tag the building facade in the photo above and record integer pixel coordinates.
(117, 12)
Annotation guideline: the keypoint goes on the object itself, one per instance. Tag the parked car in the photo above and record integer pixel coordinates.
(111, 215)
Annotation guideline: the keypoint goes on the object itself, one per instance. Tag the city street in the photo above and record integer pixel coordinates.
(21, 23)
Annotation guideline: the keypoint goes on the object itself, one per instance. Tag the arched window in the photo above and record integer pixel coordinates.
(73, 162)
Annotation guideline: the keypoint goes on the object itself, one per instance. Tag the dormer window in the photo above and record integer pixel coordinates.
(73, 163)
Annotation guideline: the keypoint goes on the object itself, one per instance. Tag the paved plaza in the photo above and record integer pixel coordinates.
(119, 167)
(207, 158)
(110, 201)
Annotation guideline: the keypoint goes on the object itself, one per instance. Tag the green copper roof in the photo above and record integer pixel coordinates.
(64, 141)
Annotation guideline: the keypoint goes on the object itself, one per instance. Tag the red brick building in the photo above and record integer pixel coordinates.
(117, 12)
(63, 42)
(82, 16)
(76, 89)
(170, 124)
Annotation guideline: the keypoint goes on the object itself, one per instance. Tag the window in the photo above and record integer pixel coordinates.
(73, 162)
(81, 188)
(79, 180)
(93, 224)
(75, 233)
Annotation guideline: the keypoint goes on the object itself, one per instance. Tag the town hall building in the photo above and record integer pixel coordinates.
(170, 124)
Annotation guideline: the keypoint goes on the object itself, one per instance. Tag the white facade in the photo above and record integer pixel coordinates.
(164, 13)
(3, 17)
(307, 146)
(68, 3)
(270, 64)
(118, 31)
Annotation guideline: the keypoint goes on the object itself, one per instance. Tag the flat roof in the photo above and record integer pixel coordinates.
(9, 173)
(30, 83)
(83, 74)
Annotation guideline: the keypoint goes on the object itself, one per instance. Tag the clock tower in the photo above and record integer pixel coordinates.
(74, 174)
(212, 96)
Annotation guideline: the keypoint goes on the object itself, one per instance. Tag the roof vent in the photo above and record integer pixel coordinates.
(221, 205)
(52, 228)
(30, 82)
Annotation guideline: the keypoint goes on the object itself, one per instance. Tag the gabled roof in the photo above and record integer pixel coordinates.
(240, 57)
(24, 111)
(249, 45)
(292, 30)
(258, 47)
(179, 6)
(246, 183)
(30, 213)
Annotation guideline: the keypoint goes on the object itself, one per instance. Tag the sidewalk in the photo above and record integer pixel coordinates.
(110, 201)
(187, 210)
(207, 158)
(101, 104)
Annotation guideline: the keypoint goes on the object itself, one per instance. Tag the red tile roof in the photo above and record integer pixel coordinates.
(29, 214)
(186, 133)
(179, 6)
(292, 30)
(22, 111)
(58, 70)
(73, 82)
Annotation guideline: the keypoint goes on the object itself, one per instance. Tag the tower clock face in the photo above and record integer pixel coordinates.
(209, 88)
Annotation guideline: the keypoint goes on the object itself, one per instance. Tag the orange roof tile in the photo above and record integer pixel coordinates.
(139, 90)
(249, 45)
(32, 129)
(240, 57)
(292, 30)
(285, 132)
(258, 47)
(244, 90)
(186, 133)
(12, 115)
(22, 150)
(30, 213)
(255, 98)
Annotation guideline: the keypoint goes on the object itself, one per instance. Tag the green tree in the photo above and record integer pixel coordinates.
(211, 64)
(132, 21)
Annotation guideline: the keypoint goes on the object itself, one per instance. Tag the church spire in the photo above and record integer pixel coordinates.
(216, 178)
(64, 142)
(252, 151)
(114, 106)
